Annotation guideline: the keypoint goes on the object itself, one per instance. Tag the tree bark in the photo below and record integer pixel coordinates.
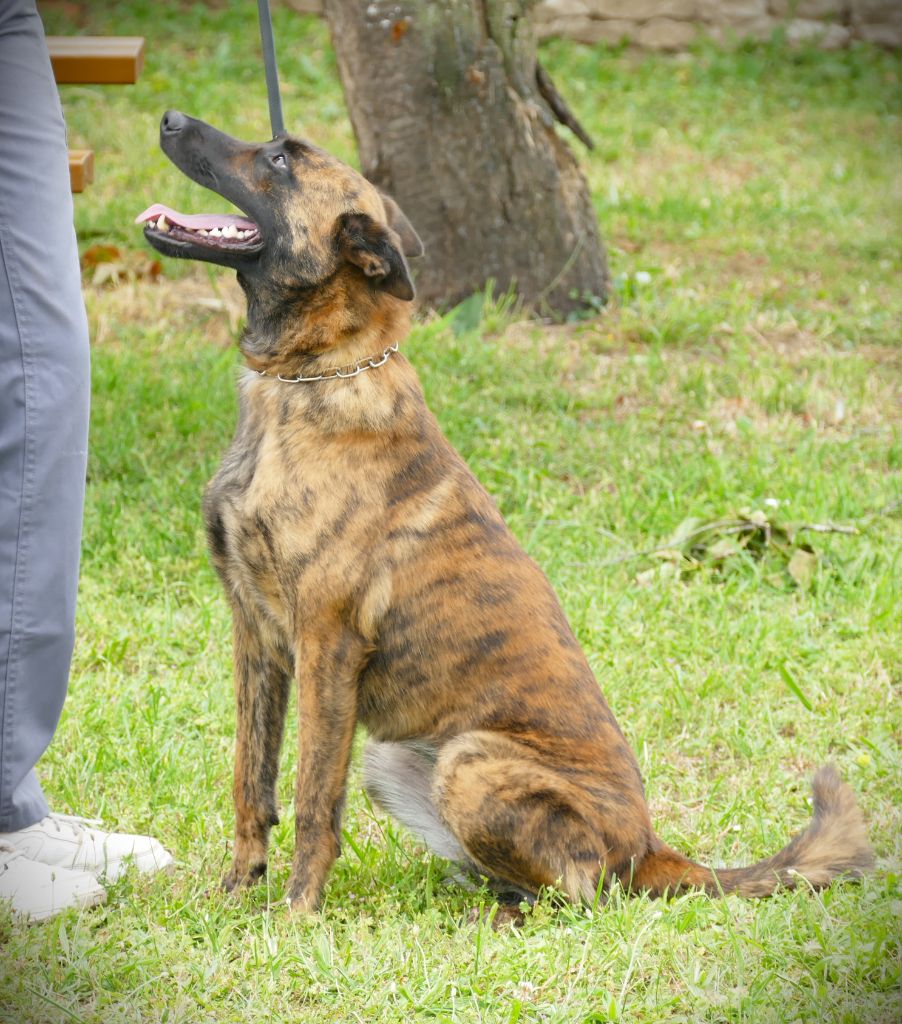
(455, 119)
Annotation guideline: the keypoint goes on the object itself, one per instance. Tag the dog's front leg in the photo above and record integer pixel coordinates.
(329, 660)
(262, 685)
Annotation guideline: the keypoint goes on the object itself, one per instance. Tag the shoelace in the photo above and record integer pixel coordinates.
(75, 824)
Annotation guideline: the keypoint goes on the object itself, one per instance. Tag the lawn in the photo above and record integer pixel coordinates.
(747, 370)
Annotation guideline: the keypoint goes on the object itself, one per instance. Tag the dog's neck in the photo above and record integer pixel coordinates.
(304, 332)
(339, 326)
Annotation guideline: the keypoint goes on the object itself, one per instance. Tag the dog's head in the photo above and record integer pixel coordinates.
(308, 216)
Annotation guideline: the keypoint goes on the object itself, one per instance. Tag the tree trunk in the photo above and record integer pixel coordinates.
(455, 119)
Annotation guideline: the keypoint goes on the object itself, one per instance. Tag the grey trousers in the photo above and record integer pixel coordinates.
(44, 396)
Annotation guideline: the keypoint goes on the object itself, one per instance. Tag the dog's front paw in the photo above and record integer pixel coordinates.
(302, 899)
(302, 905)
(239, 877)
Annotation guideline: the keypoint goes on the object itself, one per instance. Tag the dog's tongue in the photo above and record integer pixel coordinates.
(195, 221)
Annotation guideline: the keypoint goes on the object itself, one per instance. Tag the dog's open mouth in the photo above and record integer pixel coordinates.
(226, 232)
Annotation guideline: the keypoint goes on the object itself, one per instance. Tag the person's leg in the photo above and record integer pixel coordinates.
(47, 861)
(44, 396)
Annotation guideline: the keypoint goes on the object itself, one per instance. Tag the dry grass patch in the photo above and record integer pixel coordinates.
(202, 300)
(653, 171)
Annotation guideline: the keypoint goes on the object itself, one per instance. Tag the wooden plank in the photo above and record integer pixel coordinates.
(96, 60)
(81, 168)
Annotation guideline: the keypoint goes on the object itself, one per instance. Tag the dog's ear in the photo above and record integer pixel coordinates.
(410, 240)
(376, 250)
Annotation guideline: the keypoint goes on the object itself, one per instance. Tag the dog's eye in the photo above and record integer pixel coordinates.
(278, 160)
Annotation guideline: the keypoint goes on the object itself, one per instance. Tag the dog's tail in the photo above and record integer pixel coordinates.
(834, 844)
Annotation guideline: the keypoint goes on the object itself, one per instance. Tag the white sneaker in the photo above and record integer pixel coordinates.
(60, 840)
(38, 891)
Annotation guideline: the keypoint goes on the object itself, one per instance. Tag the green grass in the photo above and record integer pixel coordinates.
(750, 201)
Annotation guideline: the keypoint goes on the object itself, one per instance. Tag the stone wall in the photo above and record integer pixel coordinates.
(674, 24)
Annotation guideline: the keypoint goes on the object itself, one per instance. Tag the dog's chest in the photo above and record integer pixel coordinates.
(286, 522)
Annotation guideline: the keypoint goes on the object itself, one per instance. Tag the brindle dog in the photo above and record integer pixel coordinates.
(365, 565)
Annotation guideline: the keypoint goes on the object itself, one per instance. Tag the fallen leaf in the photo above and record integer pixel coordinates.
(724, 548)
(668, 555)
(665, 571)
(112, 265)
(802, 567)
(100, 253)
(684, 532)
(644, 578)
(108, 271)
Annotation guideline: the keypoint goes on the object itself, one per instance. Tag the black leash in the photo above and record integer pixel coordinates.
(269, 63)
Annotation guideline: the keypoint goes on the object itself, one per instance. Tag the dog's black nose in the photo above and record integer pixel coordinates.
(173, 122)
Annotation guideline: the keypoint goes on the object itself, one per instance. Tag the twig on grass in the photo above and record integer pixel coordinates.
(740, 526)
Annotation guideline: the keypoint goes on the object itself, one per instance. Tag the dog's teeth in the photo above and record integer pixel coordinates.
(216, 233)
(230, 231)
(162, 223)
(203, 231)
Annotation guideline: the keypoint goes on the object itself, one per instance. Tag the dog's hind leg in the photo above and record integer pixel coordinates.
(526, 821)
(399, 777)
(262, 685)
